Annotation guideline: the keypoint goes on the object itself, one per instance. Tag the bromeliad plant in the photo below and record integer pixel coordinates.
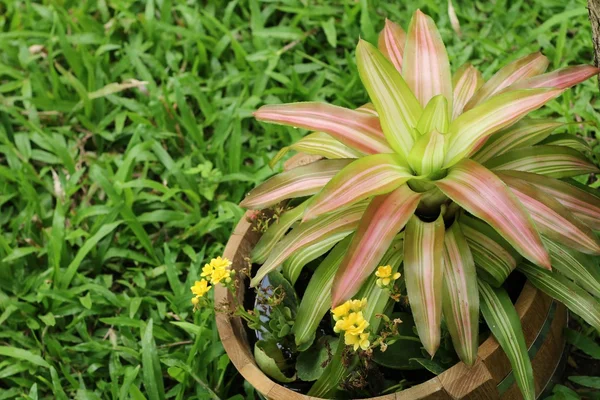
(445, 173)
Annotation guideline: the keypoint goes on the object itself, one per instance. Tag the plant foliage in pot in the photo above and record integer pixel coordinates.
(417, 209)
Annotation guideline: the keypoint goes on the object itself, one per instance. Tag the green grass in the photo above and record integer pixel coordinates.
(112, 197)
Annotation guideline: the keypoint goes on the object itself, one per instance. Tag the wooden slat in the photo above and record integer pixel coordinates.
(430, 390)
(475, 383)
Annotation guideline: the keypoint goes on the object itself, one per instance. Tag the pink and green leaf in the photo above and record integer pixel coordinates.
(553, 161)
(562, 78)
(368, 176)
(494, 260)
(309, 233)
(502, 319)
(423, 273)
(469, 131)
(317, 298)
(461, 298)
(483, 194)
(298, 182)
(383, 219)
(391, 43)
(552, 219)
(580, 268)
(516, 71)
(320, 144)
(397, 106)
(358, 130)
(368, 108)
(584, 204)
(378, 298)
(425, 66)
(293, 266)
(466, 80)
(427, 155)
(564, 290)
(435, 116)
(568, 140)
(524, 133)
(275, 232)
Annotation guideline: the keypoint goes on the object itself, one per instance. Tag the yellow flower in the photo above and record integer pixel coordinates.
(385, 275)
(361, 340)
(220, 274)
(354, 324)
(219, 269)
(207, 271)
(200, 288)
(219, 262)
(341, 311)
(195, 300)
(358, 305)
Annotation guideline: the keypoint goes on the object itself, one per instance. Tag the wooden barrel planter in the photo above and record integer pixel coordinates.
(542, 318)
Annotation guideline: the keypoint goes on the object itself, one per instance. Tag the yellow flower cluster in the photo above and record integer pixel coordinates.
(385, 276)
(217, 271)
(349, 319)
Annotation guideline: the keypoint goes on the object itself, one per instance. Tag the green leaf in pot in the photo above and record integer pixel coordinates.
(311, 363)
(400, 354)
(276, 279)
(271, 361)
(430, 365)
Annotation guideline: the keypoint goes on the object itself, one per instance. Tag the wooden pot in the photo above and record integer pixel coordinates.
(542, 318)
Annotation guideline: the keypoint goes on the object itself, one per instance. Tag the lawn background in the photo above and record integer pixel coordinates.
(127, 140)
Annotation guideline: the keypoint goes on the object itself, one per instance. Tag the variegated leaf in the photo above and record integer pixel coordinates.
(275, 232)
(383, 219)
(562, 289)
(308, 233)
(562, 78)
(553, 219)
(377, 299)
(427, 155)
(516, 71)
(552, 161)
(461, 299)
(524, 133)
(580, 268)
(483, 194)
(395, 103)
(466, 80)
(435, 116)
(468, 132)
(391, 43)
(503, 320)
(494, 261)
(298, 182)
(425, 66)
(423, 273)
(368, 108)
(317, 298)
(292, 267)
(357, 130)
(584, 204)
(327, 386)
(320, 144)
(368, 176)
(568, 140)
